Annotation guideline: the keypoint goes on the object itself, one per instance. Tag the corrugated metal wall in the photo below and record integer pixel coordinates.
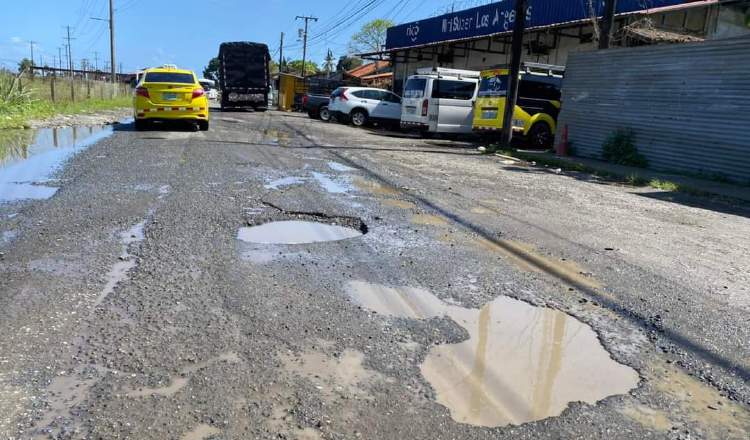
(688, 104)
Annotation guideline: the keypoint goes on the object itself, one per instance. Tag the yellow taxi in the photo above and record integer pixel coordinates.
(535, 115)
(168, 94)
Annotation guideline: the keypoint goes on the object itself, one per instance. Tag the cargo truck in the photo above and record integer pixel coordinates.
(244, 77)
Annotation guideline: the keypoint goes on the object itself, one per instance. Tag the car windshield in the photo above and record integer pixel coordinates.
(496, 85)
(415, 88)
(169, 77)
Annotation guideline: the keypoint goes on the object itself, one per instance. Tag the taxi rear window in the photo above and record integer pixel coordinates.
(167, 77)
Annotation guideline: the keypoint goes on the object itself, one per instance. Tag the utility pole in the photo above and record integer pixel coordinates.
(111, 20)
(31, 43)
(281, 52)
(59, 57)
(607, 24)
(70, 51)
(112, 39)
(96, 61)
(304, 43)
(515, 70)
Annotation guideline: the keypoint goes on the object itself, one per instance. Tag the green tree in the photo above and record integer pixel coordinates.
(273, 66)
(25, 65)
(212, 70)
(347, 62)
(311, 68)
(371, 37)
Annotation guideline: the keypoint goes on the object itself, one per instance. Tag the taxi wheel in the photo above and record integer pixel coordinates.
(540, 135)
(203, 125)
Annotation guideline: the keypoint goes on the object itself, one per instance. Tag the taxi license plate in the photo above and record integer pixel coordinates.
(489, 114)
(170, 96)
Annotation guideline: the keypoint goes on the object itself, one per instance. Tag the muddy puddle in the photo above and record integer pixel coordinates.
(295, 232)
(28, 158)
(373, 187)
(521, 363)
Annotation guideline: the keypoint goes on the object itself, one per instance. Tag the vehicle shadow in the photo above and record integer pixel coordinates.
(176, 126)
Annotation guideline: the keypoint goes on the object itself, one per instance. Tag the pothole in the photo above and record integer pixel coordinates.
(296, 232)
(297, 227)
(521, 363)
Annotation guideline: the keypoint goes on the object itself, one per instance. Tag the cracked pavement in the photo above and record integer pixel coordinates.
(129, 308)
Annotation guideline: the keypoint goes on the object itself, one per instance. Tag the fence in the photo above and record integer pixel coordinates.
(64, 90)
(686, 104)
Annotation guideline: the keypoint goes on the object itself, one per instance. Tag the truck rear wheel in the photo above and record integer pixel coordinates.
(324, 114)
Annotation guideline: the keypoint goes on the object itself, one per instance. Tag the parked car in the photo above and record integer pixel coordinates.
(362, 105)
(316, 106)
(440, 100)
(535, 115)
(210, 87)
(170, 94)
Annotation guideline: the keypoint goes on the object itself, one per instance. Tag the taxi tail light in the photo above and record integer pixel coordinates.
(425, 107)
(141, 91)
(197, 93)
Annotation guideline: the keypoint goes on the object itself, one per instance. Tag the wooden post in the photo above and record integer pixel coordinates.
(52, 88)
(88, 89)
(73, 89)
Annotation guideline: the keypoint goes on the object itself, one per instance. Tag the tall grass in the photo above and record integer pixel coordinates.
(23, 98)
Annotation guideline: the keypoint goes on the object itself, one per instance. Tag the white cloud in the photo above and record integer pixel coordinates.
(16, 40)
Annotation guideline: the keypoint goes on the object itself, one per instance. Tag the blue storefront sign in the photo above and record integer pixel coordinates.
(499, 17)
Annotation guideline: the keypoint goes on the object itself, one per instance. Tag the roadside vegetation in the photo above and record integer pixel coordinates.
(23, 99)
(631, 179)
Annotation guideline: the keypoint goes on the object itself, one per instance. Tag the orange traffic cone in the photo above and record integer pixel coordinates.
(563, 146)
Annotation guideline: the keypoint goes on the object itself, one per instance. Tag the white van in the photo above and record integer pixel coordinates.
(440, 100)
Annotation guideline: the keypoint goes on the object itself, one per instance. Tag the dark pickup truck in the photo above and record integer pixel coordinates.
(316, 106)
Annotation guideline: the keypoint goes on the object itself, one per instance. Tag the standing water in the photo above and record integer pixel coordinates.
(521, 363)
(28, 158)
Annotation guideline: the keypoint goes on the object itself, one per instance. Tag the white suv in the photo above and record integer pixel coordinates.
(361, 105)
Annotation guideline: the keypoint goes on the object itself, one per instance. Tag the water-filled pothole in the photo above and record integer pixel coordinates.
(521, 363)
(296, 232)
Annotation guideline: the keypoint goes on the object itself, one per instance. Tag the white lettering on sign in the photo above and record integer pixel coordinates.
(413, 32)
(457, 24)
(483, 21)
(509, 17)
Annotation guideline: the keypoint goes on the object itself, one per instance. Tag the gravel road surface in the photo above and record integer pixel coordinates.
(280, 277)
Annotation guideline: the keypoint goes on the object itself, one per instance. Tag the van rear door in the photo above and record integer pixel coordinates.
(415, 93)
(454, 99)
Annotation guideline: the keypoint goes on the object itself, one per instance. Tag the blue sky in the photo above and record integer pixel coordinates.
(188, 32)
